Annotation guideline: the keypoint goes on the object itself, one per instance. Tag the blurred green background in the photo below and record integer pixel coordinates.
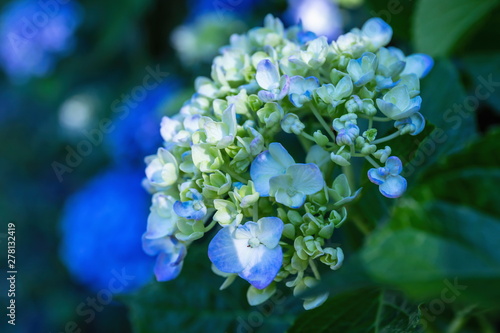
(68, 72)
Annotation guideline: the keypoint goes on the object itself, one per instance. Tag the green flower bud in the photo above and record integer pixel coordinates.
(289, 231)
(338, 218)
(340, 159)
(294, 217)
(246, 195)
(299, 264)
(258, 296)
(292, 124)
(255, 102)
(308, 247)
(206, 157)
(189, 230)
(215, 184)
(320, 138)
(370, 134)
(368, 149)
(270, 115)
(310, 226)
(333, 257)
(383, 154)
(227, 212)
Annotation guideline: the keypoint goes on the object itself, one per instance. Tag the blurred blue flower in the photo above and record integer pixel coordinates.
(102, 225)
(322, 17)
(225, 9)
(34, 35)
(136, 132)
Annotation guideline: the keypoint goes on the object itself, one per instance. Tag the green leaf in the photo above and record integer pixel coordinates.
(438, 26)
(444, 105)
(365, 310)
(469, 177)
(426, 249)
(485, 72)
(449, 232)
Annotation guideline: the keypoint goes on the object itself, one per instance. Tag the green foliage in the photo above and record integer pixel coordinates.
(438, 26)
(365, 310)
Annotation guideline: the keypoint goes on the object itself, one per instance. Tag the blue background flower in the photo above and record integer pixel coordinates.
(101, 228)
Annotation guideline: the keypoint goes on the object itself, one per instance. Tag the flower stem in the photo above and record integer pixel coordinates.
(312, 264)
(210, 226)
(372, 161)
(255, 211)
(387, 138)
(234, 175)
(322, 122)
(381, 119)
(308, 136)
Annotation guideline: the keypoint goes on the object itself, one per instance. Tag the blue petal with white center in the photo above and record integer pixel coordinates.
(299, 181)
(250, 250)
(391, 184)
(270, 163)
(397, 104)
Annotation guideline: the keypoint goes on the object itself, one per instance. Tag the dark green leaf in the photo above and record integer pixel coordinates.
(439, 25)
(365, 310)
(485, 72)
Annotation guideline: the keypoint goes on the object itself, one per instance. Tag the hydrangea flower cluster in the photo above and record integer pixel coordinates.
(226, 159)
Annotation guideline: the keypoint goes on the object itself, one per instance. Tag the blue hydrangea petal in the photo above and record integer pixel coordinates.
(376, 177)
(154, 246)
(228, 254)
(284, 87)
(412, 108)
(419, 64)
(266, 96)
(159, 226)
(270, 230)
(307, 178)
(378, 31)
(388, 109)
(268, 164)
(246, 231)
(263, 267)
(295, 200)
(394, 165)
(169, 265)
(393, 187)
(267, 75)
(416, 120)
(187, 210)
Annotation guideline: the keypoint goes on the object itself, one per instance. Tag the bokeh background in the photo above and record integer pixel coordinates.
(83, 86)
